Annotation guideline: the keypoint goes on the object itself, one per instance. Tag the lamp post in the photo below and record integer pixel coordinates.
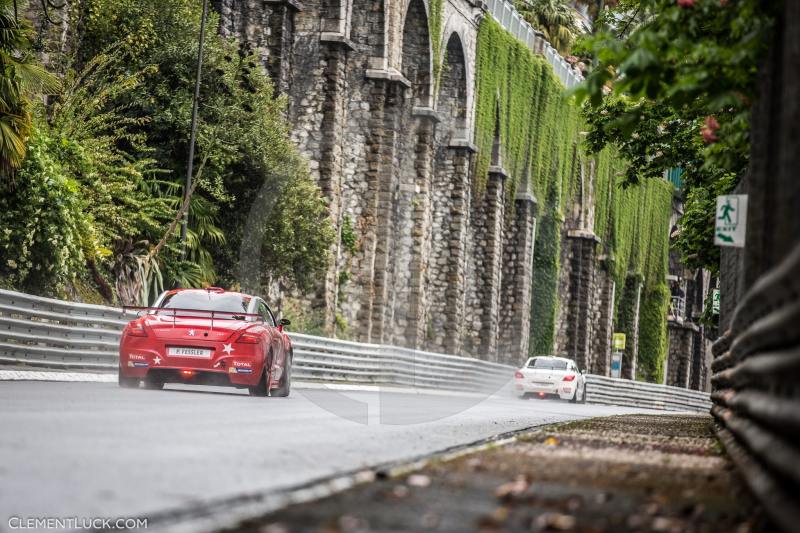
(193, 134)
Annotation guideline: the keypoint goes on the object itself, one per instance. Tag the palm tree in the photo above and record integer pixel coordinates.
(21, 78)
(554, 18)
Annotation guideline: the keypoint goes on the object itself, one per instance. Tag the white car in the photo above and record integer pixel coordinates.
(551, 376)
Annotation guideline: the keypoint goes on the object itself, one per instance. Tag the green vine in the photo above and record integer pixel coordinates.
(519, 100)
(544, 284)
(435, 22)
(633, 224)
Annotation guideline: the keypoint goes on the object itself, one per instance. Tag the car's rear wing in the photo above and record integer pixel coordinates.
(190, 313)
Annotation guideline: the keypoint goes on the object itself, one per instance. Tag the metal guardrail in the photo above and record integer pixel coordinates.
(507, 15)
(57, 334)
(615, 391)
(756, 394)
(53, 333)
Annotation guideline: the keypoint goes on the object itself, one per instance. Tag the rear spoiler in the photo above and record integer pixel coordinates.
(177, 312)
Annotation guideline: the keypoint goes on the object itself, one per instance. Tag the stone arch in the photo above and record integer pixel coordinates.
(452, 98)
(416, 63)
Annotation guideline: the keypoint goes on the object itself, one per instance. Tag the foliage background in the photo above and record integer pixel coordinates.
(110, 152)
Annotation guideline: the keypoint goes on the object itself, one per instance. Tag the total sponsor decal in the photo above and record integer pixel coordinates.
(137, 360)
(241, 367)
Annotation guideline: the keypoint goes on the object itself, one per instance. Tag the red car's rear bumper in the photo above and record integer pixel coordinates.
(236, 364)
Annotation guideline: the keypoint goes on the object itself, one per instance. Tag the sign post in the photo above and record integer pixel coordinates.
(730, 220)
(618, 345)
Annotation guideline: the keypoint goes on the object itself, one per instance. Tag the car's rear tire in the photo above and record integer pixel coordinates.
(153, 383)
(261, 389)
(574, 398)
(285, 388)
(583, 398)
(126, 382)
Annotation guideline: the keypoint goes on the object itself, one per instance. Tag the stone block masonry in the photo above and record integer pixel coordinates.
(439, 264)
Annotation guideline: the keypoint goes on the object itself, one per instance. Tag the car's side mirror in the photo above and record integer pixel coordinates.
(284, 322)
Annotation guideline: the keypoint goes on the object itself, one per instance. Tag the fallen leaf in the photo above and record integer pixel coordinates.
(418, 480)
(557, 521)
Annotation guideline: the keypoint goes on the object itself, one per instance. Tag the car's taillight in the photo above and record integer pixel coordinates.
(518, 375)
(136, 329)
(248, 338)
(569, 378)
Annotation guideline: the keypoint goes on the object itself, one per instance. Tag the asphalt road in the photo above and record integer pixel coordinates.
(94, 450)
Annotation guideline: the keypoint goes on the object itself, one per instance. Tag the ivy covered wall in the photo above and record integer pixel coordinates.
(520, 101)
(633, 224)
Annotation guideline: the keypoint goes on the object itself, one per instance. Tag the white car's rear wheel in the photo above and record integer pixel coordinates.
(574, 398)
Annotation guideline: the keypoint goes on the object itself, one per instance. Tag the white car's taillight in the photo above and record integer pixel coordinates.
(518, 375)
(569, 378)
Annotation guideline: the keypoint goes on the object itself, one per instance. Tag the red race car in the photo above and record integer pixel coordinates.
(207, 337)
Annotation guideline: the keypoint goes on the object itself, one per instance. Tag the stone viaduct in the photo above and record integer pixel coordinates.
(436, 265)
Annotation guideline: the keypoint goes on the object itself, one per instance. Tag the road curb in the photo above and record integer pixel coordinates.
(227, 513)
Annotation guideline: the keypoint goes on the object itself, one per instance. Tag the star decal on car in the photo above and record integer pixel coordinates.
(191, 333)
(157, 360)
(227, 348)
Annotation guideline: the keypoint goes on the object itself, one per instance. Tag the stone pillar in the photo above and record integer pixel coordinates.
(334, 120)
(698, 367)
(455, 288)
(603, 323)
(515, 310)
(446, 276)
(386, 185)
(583, 245)
(416, 326)
(378, 146)
(681, 350)
(480, 333)
(629, 324)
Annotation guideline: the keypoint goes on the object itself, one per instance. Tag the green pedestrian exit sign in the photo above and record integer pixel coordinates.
(730, 220)
(715, 301)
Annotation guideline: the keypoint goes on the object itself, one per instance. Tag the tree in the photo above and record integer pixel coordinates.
(21, 78)
(243, 141)
(672, 85)
(554, 18)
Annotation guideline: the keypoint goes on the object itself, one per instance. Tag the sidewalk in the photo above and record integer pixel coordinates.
(625, 473)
